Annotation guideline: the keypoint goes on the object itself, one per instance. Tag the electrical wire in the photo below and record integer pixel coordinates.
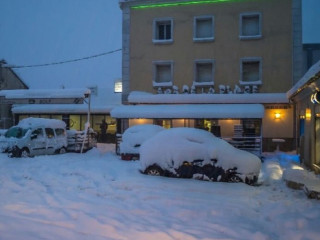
(63, 62)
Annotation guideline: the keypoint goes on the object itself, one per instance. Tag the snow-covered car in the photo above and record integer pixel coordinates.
(133, 137)
(190, 152)
(35, 136)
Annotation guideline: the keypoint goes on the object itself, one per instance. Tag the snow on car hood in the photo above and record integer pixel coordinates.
(134, 136)
(170, 148)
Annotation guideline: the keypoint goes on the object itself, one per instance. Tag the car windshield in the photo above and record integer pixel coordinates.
(16, 132)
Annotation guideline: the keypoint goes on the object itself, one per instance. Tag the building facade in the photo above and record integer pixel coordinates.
(8, 80)
(214, 48)
(305, 94)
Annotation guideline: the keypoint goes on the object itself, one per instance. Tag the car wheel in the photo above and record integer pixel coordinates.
(24, 153)
(62, 150)
(154, 171)
(235, 179)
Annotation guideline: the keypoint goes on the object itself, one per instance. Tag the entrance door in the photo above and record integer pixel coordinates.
(37, 142)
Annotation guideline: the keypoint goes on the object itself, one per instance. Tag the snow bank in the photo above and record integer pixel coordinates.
(134, 136)
(170, 148)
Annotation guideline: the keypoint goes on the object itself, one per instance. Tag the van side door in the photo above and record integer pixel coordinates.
(38, 142)
(51, 141)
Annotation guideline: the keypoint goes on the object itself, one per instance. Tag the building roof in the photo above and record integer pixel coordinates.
(189, 111)
(60, 109)
(310, 76)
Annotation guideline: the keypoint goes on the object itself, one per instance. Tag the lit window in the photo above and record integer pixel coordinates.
(203, 73)
(250, 25)
(203, 28)
(162, 30)
(251, 71)
(162, 73)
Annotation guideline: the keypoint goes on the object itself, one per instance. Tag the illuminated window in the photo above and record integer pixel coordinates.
(163, 30)
(250, 71)
(166, 123)
(203, 28)
(250, 25)
(118, 86)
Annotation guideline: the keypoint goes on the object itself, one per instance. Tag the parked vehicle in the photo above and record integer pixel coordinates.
(35, 136)
(195, 153)
(133, 137)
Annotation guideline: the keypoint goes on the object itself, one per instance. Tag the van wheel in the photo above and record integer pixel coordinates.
(24, 153)
(154, 170)
(62, 150)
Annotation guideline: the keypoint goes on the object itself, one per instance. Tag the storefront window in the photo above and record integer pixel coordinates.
(74, 121)
(166, 123)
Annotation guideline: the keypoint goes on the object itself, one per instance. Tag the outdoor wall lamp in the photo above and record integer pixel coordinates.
(308, 113)
(277, 115)
(315, 98)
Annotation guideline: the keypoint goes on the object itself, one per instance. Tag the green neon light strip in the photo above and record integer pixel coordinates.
(181, 3)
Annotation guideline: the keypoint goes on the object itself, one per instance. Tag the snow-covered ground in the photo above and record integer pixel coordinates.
(97, 196)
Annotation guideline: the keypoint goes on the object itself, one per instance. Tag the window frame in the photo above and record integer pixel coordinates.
(250, 14)
(203, 61)
(206, 39)
(156, 21)
(247, 60)
(154, 73)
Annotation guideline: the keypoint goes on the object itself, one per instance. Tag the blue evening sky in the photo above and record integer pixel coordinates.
(44, 31)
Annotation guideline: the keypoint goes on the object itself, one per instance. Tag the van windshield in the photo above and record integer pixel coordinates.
(16, 132)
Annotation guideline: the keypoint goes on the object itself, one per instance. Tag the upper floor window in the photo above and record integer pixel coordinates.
(163, 30)
(203, 28)
(203, 72)
(162, 73)
(250, 25)
(251, 71)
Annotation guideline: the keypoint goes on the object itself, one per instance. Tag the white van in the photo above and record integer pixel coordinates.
(35, 136)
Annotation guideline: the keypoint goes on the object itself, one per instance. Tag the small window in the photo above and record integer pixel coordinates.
(250, 26)
(162, 30)
(203, 28)
(203, 73)
(162, 74)
(38, 132)
(49, 132)
(60, 132)
(251, 71)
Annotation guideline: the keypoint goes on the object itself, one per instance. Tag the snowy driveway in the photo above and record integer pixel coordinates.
(97, 196)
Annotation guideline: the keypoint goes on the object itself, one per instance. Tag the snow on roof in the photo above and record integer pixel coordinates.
(45, 93)
(35, 122)
(144, 97)
(189, 111)
(60, 108)
(312, 72)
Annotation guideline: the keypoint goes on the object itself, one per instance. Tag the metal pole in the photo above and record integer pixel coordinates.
(87, 125)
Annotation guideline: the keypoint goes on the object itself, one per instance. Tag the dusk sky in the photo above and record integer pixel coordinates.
(45, 31)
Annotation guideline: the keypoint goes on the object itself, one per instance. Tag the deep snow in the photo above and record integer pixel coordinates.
(97, 196)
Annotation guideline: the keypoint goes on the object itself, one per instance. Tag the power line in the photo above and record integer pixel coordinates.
(63, 62)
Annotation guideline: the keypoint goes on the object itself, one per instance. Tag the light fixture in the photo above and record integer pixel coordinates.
(277, 115)
(315, 98)
(308, 113)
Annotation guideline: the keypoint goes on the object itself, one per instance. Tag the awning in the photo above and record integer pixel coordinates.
(190, 111)
(60, 109)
